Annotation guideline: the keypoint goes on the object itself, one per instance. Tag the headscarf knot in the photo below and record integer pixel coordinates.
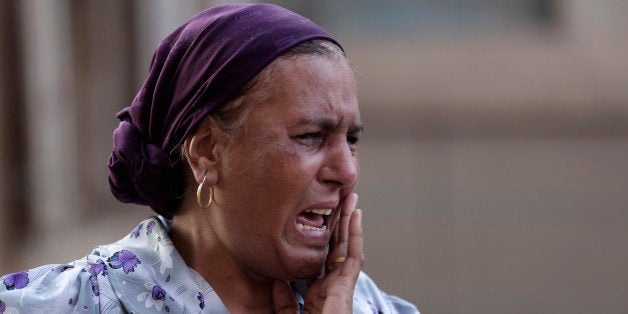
(138, 170)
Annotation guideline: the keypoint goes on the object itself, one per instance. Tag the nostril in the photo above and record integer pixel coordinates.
(336, 184)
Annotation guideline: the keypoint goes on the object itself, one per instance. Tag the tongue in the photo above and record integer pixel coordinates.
(310, 219)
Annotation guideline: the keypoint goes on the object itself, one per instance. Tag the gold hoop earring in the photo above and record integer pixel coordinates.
(199, 192)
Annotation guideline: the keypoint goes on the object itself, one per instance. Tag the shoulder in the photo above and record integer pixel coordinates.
(107, 280)
(368, 298)
(76, 286)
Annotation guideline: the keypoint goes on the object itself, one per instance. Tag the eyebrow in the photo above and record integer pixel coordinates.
(329, 125)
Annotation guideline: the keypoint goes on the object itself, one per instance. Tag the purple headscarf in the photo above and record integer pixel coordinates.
(198, 68)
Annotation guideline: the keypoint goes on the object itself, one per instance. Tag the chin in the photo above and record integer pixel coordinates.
(304, 266)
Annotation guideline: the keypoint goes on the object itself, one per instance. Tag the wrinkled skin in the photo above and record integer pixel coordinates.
(298, 151)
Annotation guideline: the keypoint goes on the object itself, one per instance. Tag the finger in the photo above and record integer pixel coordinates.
(345, 217)
(333, 228)
(355, 251)
(283, 298)
(333, 221)
(341, 232)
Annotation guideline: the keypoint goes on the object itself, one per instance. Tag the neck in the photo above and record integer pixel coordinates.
(200, 248)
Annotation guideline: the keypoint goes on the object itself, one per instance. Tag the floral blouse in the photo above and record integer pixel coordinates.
(142, 273)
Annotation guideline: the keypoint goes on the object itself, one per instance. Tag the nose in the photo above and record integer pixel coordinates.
(341, 167)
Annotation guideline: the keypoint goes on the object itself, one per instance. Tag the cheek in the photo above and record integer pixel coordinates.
(292, 157)
(288, 173)
(271, 174)
(283, 171)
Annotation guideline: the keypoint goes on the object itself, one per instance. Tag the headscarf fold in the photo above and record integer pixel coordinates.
(201, 66)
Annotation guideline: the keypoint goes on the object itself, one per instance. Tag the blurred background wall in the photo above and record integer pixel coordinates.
(494, 163)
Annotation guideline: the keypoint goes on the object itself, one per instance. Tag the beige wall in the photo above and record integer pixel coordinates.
(494, 167)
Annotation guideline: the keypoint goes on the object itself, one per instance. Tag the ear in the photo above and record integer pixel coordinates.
(203, 151)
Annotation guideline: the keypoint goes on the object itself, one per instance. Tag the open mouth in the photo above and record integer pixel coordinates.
(314, 219)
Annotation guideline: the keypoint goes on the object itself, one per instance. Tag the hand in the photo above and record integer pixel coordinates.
(333, 291)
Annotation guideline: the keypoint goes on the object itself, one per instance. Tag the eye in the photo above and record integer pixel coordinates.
(312, 138)
(353, 140)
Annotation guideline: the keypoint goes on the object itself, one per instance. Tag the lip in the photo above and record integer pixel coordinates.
(314, 238)
(317, 237)
(328, 204)
(333, 204)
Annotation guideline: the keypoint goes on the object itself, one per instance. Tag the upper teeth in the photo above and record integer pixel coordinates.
(320, 211)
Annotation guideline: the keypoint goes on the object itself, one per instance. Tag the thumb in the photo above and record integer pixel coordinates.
(283, 299)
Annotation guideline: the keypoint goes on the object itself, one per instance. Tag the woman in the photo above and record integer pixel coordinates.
(244, 139)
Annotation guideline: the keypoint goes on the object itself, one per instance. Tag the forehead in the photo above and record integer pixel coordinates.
(311, 87)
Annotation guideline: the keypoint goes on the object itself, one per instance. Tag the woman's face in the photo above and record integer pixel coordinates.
(298, 153)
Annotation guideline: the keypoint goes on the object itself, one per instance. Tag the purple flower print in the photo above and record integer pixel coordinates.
(3, 307)
(149, 227)
(97, 268)
(95, 289)
(201, 299)
(136, 232)
(125, 259)
(159, 293)
(16, 280)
